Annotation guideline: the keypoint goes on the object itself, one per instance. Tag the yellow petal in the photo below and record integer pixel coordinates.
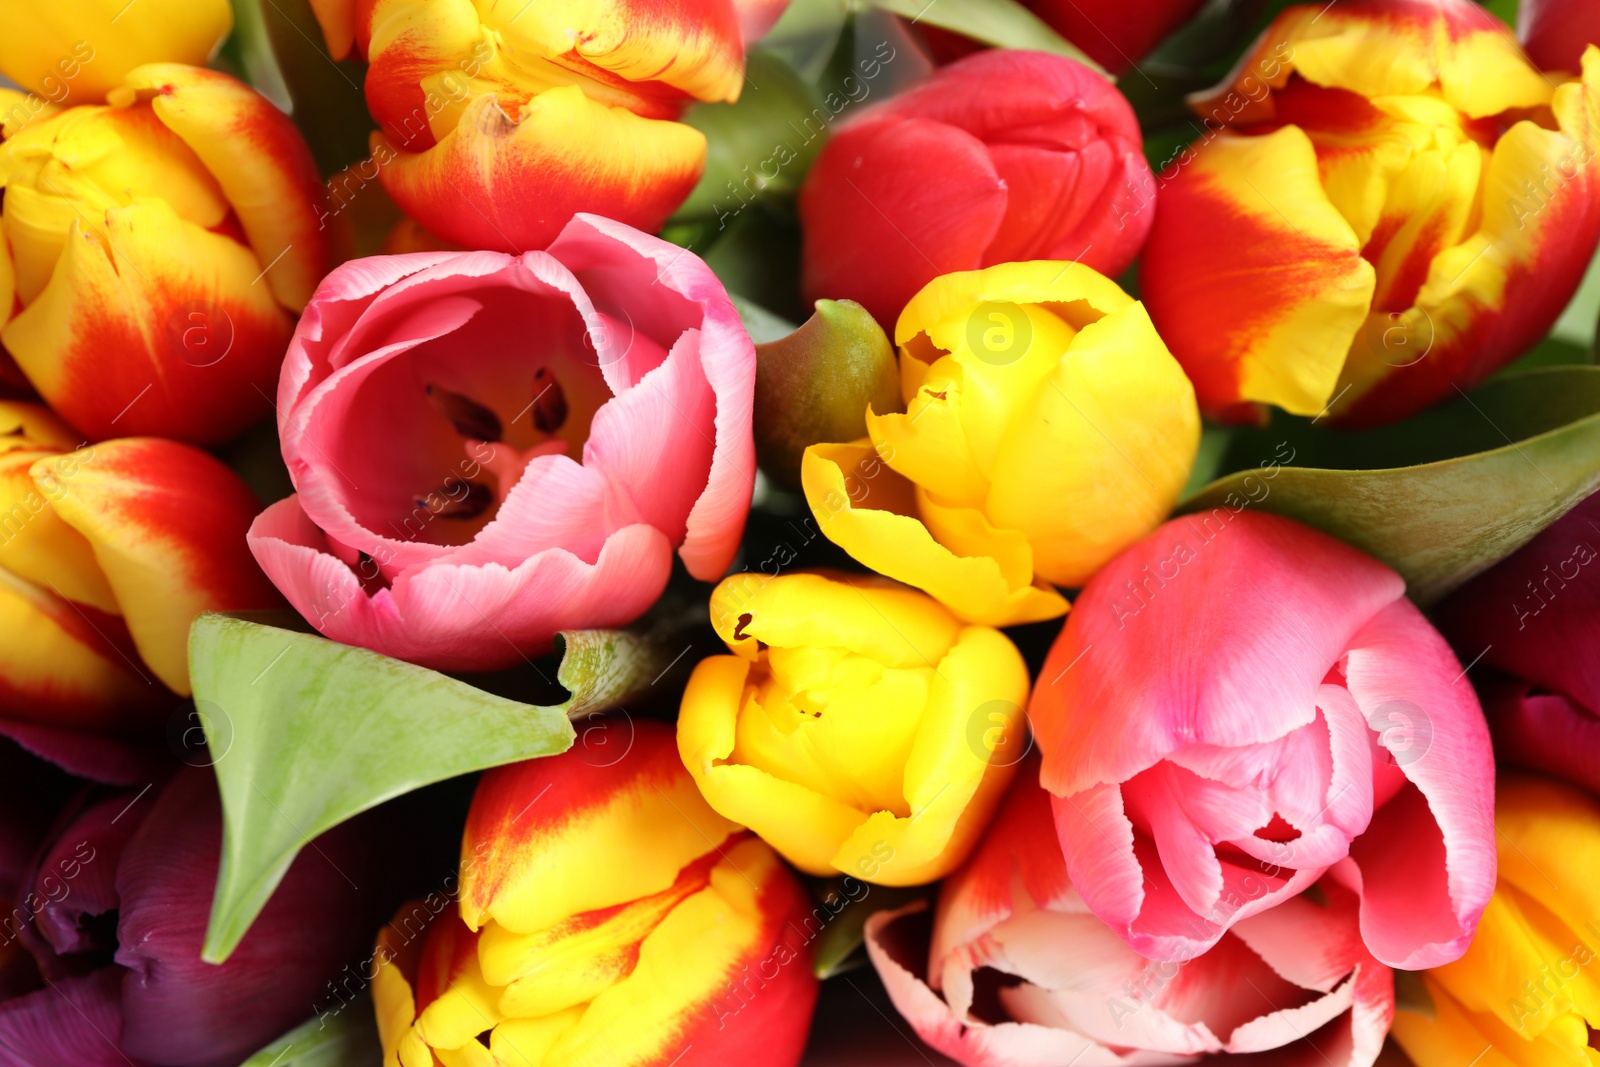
(1100, 458)
(78, 50)
(867, 509)
(36, 545)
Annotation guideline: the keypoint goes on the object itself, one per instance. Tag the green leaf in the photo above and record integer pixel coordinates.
(344, 1037)
(1002, 23)
(1440, 496)
(305, 733)
(807, 34)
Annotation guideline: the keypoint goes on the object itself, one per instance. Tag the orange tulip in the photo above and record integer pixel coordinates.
(1389, 203)
(156, 249)
(501, 119)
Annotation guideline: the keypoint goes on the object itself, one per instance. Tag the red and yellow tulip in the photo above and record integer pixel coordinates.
(1389, 203)
(500, 120)
(156, 250)
(107, 553)
(606, 915)
(1046, 429)
(1527, 992)
(77, 51)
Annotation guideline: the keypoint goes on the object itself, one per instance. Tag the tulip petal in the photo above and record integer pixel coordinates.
(47, 1028)
(163, 293)
(260, 160)
(1150, 681)
(1410, 916)
(725, 978)
(727, 359)
(75, 876)
(524, 178)
(912, 232)
(167, 523)
(1543, 732)
(1262, 198)
(81, 51)
(638, 825)
(62, 665)
(188, 1013)
(436, 616)
(887, 538)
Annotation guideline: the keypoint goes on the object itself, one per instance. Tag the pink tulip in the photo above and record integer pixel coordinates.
(1019, 973)
(1535, 618)
(1239, 705)
(490, 448)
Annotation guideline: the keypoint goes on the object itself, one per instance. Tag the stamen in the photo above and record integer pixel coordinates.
(549, 404)
(470, 418)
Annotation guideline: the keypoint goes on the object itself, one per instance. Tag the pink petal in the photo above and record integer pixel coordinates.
(72, 1022)
(1097, 840)
(727, 357)
(438, 616)
(1241, 619)
(1428, 860)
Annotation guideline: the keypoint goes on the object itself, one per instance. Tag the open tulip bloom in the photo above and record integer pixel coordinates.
(851, 410)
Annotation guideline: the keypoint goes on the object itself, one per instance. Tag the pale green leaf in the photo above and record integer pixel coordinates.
(346, 1036)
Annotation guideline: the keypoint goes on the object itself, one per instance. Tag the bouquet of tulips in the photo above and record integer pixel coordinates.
(684, 533)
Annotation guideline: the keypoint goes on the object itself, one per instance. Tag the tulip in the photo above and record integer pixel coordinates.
(1556, 32)
(501, 120)
(857, 727)
(1525, 993)
(606, 915)
(999, 157)
(116, 914)
(1535, 617)
(107, 554)
(430, 410)
(1239, 705)
(1113, 33)
(82, 49)
(1047, 428)
(1388, 205)
(1296, 978)
(157, 248)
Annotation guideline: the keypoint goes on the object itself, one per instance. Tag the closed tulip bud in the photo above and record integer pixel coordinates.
(1527, 991)
(857, 727)
(107, 554)
(605, 915)
(79, 50)
(1003, 156)
(501, 120)
(157, 249)
(817, 383)
(1026, 385)
(1389, 204)
(1295, 979)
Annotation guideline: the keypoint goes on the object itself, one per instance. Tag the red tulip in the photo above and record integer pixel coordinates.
(1003, 156)
(137, 991)
(1536, 617)
(1114, 33)
(1555, 32)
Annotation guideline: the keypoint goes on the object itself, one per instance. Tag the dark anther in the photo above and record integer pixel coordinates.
(470, 418)
(456, 504)
(744, 620)
(549, 403)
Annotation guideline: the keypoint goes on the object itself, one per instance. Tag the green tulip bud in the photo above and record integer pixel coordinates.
(815, 385)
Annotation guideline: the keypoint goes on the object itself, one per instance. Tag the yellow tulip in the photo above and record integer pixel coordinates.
(79, 50)
(858, 726)
(1527, 992)
(1047, 428)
